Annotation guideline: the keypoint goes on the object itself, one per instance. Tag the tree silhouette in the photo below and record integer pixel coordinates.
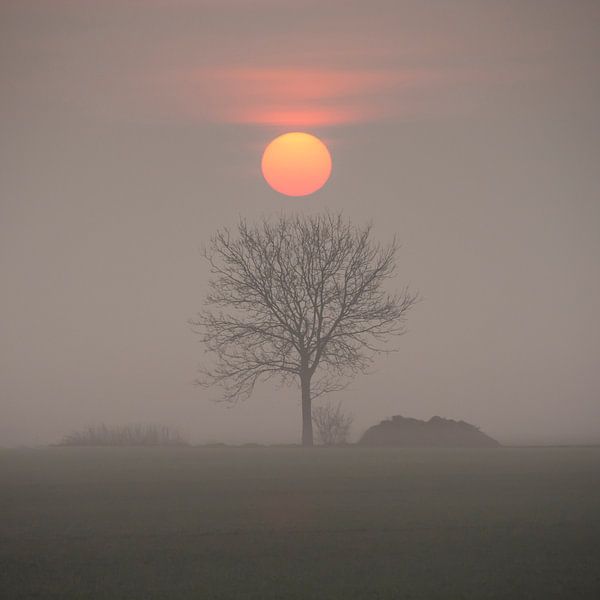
(300, 299)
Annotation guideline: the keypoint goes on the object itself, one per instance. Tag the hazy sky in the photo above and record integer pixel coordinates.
(130, 130)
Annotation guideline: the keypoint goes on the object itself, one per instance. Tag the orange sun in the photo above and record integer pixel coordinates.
(296, 164)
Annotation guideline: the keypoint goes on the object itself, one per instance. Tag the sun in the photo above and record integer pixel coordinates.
(296, 164)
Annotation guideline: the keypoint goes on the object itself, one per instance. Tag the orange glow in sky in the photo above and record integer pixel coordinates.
(296, 164)
(294, 97)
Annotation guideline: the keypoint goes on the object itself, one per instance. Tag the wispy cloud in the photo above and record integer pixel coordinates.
(269, 63)
(295, 96)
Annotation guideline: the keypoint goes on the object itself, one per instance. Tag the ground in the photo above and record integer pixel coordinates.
(279, 523)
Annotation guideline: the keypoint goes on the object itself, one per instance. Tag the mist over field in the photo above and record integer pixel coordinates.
(129, 134)
(299, 299)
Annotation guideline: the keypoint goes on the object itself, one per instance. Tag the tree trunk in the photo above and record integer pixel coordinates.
(307, 428)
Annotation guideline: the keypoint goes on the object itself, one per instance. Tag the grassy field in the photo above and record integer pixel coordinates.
(280, 523)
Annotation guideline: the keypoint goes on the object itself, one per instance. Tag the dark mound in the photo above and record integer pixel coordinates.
(404, 431)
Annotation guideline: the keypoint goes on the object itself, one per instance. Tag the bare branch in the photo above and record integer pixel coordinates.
(298, 296)
(332, 424)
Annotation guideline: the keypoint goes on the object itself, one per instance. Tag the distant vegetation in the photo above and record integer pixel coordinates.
(332, 424)
(125, 435)
(404, 431)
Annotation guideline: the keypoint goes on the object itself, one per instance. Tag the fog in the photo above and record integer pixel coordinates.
(130, 131)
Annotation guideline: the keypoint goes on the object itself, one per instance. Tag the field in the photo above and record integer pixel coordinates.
(278, 523)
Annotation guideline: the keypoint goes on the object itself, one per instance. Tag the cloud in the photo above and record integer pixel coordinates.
(294, 96)
(262, 62)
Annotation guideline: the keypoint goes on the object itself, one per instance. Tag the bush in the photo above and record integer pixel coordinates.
(125, 435)
(332, 424)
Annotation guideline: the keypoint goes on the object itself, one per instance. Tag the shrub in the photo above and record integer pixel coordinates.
(332, 424)
(125, 435)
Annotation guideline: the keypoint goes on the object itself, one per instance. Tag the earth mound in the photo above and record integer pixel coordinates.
(440, 432)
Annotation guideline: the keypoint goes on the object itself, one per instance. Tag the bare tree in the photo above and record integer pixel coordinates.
(332, 424)
(299, 299)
